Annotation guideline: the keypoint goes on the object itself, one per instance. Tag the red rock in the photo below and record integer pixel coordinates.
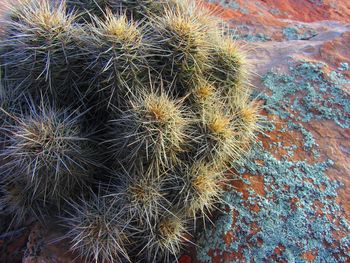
(185, 259)
(331, 46)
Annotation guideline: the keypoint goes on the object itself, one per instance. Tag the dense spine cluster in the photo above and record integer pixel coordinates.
(120, 118)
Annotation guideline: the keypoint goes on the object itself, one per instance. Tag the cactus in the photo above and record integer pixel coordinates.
(123, 117)
(202, 189)
(46, 149)
(166, 238)
(97, 229)
(135, 9)
(143, 197)
(38, 50)
(228, 68)
(183, 48)
(86, 7)
(115, 57)
(154, 127)
(19, 199)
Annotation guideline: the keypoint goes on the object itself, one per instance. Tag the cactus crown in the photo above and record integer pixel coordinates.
(167, 96)
(119, 28)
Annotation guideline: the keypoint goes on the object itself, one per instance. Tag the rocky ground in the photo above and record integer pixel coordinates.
(291, 203)
(290, 200)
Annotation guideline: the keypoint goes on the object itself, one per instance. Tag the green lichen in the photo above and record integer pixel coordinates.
(258, 37)
(343, 66)
(244, 32)
(234, 5)
(275, 11)
(295, 228)
(309, 142)
(292, 33)
(319, 95)
(317, 2)
(298, 212)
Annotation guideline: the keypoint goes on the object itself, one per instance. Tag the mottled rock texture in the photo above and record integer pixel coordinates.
(289, 200)
(292, 202)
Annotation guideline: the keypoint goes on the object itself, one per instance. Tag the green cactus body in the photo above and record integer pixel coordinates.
(166, 96)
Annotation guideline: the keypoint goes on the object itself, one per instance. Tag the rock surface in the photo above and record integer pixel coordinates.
(290, 200)
(291, 203)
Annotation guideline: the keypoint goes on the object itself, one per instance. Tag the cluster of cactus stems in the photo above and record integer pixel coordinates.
(119, 119)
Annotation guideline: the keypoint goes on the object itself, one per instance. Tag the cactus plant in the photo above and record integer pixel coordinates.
(97, 229)
(183, 48)
(20, 200)
(167, 98)
(136, 9)
(115, 57)
(143, 197)
(166, 238)
(44, 142)
(202, 189)
(228, 68)
(154, 127)
(38, 50)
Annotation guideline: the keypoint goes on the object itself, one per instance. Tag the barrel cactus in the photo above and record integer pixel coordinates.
(119, 120)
